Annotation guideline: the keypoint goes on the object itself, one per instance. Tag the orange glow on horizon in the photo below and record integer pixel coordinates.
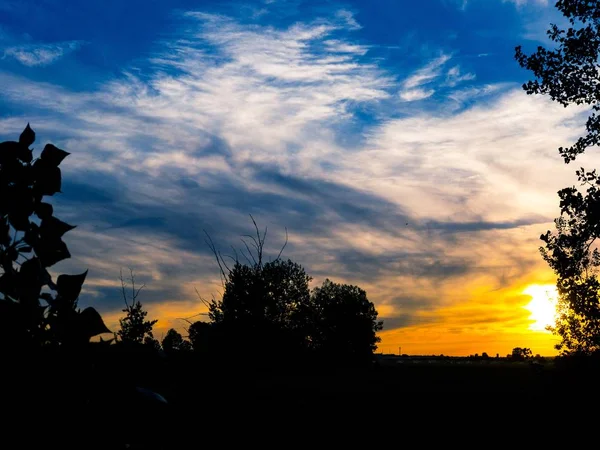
(488, 320)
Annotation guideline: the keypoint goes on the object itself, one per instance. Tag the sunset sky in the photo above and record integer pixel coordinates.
(391, 137)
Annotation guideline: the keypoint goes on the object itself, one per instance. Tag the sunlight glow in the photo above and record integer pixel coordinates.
(542, 305)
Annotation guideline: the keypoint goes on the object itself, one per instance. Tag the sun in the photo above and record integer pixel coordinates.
(542, 305)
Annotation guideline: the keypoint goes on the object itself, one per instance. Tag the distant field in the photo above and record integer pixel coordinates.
(410, 393)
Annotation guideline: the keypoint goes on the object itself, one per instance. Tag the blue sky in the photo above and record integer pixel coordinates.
(391, 138)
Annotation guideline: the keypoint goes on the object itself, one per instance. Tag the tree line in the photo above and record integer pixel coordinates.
(266, 311)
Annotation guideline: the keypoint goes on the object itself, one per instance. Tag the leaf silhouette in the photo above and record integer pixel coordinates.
(52, 155)
(49, 178)
(53, 227)
(69, 286)
(27, 136)
(51, 252)
(91, 323)
(44, 210)
(12, 150)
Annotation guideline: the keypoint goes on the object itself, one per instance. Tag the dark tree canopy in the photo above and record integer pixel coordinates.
(174, 343)
(269, 293)
(521, 353)
(342, 321)
(201, 336)
(35, 311)
(268, 307)
(569, 73)
(260, 304)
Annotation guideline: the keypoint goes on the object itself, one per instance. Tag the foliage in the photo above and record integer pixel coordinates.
(174, 343)
(260, 304)
(521, 353)
(571, 253)
(135, 329)
(342, 321)
(260, 294)
(151, 343)
(570, 74)
(270, 306)
(200, 335)
(34, 310)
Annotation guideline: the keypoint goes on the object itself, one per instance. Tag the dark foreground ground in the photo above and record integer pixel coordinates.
(211, 406)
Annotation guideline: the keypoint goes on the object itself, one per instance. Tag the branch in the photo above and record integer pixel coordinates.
(249, 251)
(202, 299)
(284, 244)
(123, 288)
(212, 247)
(255, 242)
(224, 263)
(187, 319)
(235, 253)
(134, 292)
(246, 257)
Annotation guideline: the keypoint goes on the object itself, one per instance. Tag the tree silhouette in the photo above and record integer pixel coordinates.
(35, 311)
(269, 308)
(174, 343)
(571, 254)
(201, 336)
(342, 321)
(269, 293)
(135, 329)
(570, 74)
(521, 353)
(260, 304)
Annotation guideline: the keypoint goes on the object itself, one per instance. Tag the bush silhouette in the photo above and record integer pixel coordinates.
(29, 316)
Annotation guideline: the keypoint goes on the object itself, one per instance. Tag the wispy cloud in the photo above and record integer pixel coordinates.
(454, 76)
(412, 95)
(41, 54)
(411, 87)
(426, 74)
(426, 210)
(347, 17)
(521, 3)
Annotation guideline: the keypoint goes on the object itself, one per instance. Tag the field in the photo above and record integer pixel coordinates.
(216, 405)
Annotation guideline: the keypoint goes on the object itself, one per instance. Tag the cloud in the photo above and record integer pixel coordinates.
(416, 94)
(427, 210)
(347, 17)
(427, 73)
(41, 54)
(336, 46)
(411, 87)
(521, 3)
(454, 76)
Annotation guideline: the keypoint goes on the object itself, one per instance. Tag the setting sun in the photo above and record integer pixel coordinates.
(542, 305)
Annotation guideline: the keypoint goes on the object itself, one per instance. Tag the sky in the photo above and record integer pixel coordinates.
(391, 138)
